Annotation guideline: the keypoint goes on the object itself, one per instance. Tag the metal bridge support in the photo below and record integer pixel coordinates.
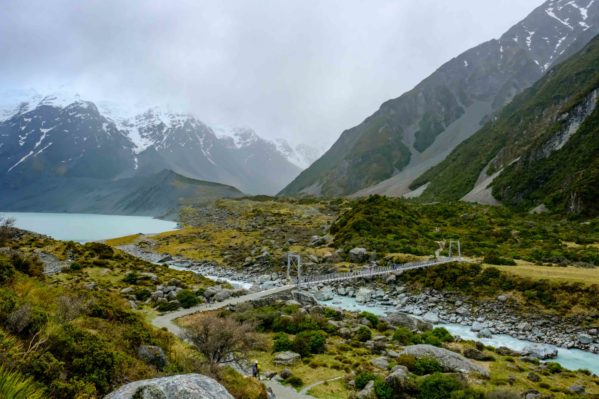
(457, 243)
(297, 260)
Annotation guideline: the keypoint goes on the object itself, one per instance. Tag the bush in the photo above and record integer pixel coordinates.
(281, 342)
(307, 343)
(363, 334)
(30, 265)
(403, 335)
(15, 386)
(382, 389)
(493, 258)
(363, 378)
(438, 386)
(294, 381)
(467, 393)
(142, 294)
(442, 334)
(131, 278)
(187, 298)
(426, 365)
(167, 306)
(554, 368)
(371, 317)
(7, 271)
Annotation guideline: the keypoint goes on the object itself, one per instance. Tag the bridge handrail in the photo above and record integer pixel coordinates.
(374, 271)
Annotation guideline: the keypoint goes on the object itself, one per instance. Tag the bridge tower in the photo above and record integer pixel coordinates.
(294, 260)
(458, 247)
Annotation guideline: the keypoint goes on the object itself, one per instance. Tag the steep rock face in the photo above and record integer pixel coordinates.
(194, 386)
(414, 132)
(74, 141)
(542, 150)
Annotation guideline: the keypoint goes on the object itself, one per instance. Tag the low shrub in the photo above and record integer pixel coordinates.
(187, 298)
(363, 378)
(438, 386)
(167, 306)
(294, 381)
(307, 343)
(363, 334)
(426, 365)
(281, 342)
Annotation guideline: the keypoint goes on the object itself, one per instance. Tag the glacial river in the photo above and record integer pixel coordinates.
(84, 227)
(572, 359)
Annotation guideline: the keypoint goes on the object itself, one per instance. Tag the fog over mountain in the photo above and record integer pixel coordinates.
(301, 70)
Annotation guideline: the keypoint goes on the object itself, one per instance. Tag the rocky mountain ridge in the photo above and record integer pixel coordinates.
(414, 132)
(62, 134)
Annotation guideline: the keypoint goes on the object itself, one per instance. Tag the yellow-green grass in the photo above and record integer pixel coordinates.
(330, 389)
(126, 240)
(206, 243)
(567, 274)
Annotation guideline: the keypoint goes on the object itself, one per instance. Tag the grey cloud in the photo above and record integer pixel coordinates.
(304, 70)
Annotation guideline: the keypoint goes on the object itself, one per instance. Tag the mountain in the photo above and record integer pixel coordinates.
(541, 152)
(414, 132)
(302, 155)
(63, 135)
(159, 194)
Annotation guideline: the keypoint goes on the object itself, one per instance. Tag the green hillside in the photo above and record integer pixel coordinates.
(520, 138)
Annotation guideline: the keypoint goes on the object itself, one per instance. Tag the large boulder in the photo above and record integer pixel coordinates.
(364, 295)
(450, 361)
(541, 352)
(286, 358)
(185, 386)
(368, 391)
(399, 319)
(153, 355)
(398, 380)
(358, 255)
(304, 298)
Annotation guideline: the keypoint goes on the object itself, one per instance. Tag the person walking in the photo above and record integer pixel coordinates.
(255, 369)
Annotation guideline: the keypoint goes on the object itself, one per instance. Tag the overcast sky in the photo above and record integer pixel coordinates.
(300, 69)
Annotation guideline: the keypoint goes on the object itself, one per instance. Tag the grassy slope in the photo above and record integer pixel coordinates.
(82, 342)
(526, 122)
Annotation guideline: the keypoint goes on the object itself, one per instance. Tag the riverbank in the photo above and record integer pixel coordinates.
(495, 322)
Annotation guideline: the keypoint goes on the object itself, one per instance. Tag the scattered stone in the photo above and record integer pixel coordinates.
(533, 377)
(504, 351)
(577, 389)
(358, 255)
(286, 373)
(475, 354)
(177, 386)
(585, 339)
(127, 290)
(286, 358)
(381, 362)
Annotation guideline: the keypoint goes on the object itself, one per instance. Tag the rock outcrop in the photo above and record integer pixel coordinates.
(185, 386)
(450, 361)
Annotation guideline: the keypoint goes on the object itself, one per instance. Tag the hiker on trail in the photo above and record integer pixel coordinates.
(255, 369)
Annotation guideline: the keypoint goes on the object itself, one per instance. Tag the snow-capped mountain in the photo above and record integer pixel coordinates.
(303, 155)
(64, 135)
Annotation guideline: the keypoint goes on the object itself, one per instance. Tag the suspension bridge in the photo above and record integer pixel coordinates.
(367, 272)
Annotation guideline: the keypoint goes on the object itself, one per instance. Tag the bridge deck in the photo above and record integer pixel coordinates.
(373, 272)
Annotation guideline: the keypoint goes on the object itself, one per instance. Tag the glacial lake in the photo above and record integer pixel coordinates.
(84, 227)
